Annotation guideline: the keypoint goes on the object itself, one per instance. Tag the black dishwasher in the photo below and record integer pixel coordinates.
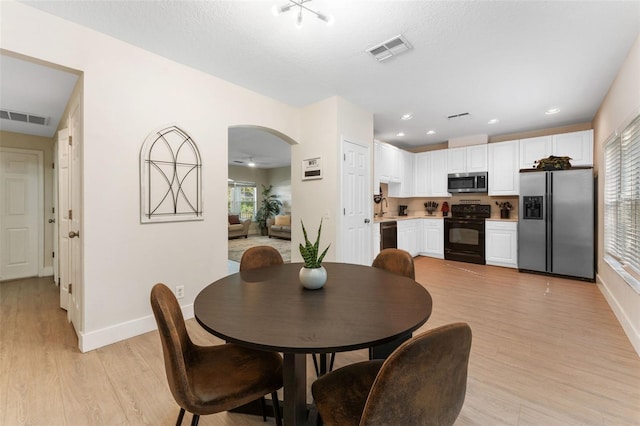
(388, 234)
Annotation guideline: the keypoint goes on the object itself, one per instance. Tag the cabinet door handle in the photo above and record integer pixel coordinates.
(367, 220)
(74, 234)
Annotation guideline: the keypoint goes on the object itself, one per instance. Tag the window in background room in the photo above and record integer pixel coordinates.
(622, 203)
(242, 199)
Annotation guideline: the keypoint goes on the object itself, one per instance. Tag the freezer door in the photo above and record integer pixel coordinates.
(572, 223)
(532, 241)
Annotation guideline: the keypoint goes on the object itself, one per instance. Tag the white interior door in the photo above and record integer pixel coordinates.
(75, 243)
(64, 206)
(356, 204)
(54, 213)
(20, 214)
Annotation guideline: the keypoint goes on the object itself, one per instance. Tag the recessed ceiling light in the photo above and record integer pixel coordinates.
(493, 121)
(406, 117)
(400, 134)
(251, 163)
(552, 111)
(431, 132)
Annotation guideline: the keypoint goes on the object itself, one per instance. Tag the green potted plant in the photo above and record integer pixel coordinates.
(312, 275)
(269, 207)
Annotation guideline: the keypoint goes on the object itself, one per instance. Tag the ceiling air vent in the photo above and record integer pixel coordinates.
(238, 162)
(389, 48)
(24, 117)
(461, 115)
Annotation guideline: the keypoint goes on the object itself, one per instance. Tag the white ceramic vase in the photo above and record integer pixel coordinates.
(313, 278)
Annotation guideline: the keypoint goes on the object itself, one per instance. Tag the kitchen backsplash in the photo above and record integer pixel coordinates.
(415, 206)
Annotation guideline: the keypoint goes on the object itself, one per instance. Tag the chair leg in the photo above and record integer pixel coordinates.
(180, 417)
(276, 408)
(315, 365)
(333, 358)
(195, 419)
(263, 404)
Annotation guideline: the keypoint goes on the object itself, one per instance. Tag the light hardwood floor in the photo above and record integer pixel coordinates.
(546, 351)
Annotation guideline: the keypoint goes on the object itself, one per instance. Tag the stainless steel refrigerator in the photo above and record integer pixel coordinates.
(556, 223)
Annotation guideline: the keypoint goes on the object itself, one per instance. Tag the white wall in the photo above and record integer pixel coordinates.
(621, 104)
(323, 126)
(128, 92)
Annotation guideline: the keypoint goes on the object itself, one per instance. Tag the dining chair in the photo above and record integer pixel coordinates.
(397, 261)
(423, 382)
(211, 379)
(260, 257)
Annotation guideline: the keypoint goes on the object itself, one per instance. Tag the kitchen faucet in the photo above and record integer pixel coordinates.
(381, 209)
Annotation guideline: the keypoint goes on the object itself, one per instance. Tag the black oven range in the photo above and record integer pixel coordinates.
(464, 236)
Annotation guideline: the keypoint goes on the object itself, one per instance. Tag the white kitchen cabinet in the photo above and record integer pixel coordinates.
(404, 188)
(577, 145)
(386, 163)
(504, 176)
(533, 149)
(467, 159)
(408, 235)
(431, 174)
(501, 243)
(432, 237)
(438, 174)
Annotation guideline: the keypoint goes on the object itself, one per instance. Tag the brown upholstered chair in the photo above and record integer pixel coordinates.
(260, 257)
(397, 261)
(211, 379)
(422, 383)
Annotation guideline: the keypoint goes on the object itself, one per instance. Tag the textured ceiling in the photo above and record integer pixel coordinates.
(509, 60)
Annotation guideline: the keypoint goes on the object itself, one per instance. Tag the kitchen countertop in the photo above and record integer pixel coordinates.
(434, 216)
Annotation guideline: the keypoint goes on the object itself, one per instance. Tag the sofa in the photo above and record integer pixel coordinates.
(237, 227)
(280, 226)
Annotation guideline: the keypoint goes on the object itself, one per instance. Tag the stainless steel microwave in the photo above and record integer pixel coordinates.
(467, 182)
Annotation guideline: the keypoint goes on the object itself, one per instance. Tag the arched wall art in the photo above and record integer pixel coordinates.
(170, 177)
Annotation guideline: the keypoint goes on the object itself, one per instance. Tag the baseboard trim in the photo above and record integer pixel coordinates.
(632, 334)
(126, 330)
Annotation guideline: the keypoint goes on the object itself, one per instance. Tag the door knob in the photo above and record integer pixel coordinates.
(367, 220)
(52, 221)
(74, 234)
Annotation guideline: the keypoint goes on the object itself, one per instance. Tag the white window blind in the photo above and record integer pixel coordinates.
(622, 199)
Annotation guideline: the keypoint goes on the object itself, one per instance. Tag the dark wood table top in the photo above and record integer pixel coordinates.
(268, 309)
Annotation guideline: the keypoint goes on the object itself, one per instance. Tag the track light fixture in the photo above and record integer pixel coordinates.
(277, 10)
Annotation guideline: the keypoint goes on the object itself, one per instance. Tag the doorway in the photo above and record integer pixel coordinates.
(21, 215)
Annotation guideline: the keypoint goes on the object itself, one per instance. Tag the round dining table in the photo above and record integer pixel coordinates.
(268, 309)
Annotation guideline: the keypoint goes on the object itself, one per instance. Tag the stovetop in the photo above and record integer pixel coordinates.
(470, 211)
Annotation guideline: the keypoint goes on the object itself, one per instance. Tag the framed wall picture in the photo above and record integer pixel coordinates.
(312, 168)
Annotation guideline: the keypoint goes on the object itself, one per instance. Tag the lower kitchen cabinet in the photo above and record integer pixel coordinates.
(432, 237)
(501, 243)
(408, 235)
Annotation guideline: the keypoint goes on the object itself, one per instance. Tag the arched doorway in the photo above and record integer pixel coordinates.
(259, 164)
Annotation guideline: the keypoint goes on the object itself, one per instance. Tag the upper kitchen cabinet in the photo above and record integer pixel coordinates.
(405, 188)
(533, 149)
(467, 159)
(504, 178)
(577, 145)
(386, 165)
(431, 174)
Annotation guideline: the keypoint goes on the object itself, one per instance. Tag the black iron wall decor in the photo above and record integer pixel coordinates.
(170, 177)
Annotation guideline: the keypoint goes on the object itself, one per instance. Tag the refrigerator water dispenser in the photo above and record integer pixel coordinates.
(532, 207)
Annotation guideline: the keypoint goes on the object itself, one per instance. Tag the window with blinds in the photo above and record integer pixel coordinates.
(622, 202)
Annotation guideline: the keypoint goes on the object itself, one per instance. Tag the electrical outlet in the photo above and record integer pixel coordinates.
(179, 291)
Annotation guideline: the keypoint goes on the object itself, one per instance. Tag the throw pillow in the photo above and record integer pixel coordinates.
(283, 220)
(234, 219)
